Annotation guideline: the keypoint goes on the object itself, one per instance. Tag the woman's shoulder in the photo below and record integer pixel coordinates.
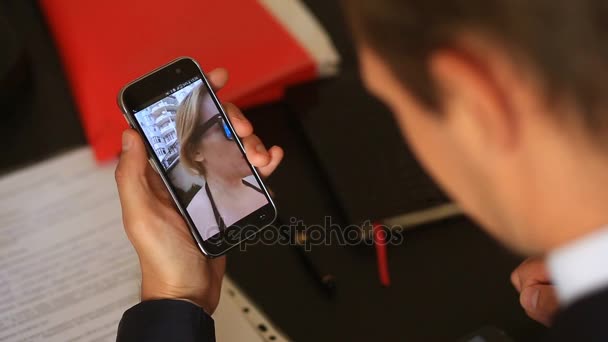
(252, 181)
(200, 208)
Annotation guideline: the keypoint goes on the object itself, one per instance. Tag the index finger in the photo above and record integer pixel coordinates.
(241, 125)
(217, 78)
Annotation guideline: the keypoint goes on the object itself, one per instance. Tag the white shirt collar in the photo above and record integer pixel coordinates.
(581, 267)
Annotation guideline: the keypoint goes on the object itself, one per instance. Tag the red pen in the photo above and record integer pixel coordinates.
(381, 255)
(381, 229)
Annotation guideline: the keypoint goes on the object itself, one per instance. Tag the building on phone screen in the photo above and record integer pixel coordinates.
(158, 123)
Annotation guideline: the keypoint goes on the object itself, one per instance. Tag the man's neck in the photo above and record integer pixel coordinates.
(574, 199)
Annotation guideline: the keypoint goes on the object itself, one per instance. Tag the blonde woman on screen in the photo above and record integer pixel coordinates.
(207, 150)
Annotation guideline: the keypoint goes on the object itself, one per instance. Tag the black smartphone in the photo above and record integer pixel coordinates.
(193, 146)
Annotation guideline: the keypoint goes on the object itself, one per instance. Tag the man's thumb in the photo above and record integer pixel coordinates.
(540, 302)
(131, 169)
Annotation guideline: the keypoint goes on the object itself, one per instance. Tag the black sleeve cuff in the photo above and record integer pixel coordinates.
(166, 320)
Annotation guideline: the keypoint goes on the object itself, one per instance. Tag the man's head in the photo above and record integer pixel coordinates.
(502, 101)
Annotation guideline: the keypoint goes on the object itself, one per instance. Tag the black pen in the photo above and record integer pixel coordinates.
(326, 280)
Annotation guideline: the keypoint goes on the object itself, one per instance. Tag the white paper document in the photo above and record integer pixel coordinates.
(67, 269)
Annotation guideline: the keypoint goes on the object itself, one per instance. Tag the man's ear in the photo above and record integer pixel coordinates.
(472, 96)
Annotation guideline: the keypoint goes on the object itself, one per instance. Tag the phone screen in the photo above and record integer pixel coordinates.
(201, 158)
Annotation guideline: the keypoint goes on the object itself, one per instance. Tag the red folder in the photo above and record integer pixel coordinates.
(105, 44)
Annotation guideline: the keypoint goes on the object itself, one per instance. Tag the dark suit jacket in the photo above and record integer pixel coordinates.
(584, 320)
(174, 320)
(166, 320)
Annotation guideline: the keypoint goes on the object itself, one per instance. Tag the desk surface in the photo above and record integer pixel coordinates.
(448, 279)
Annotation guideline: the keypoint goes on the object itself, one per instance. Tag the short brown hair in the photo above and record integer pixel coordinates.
(565, 40)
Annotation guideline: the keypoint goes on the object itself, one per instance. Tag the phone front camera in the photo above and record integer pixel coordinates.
(178, 71)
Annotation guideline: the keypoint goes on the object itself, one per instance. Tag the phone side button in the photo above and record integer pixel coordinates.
(127, 120)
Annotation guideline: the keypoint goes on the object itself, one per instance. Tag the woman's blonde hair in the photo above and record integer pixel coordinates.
(187, 120)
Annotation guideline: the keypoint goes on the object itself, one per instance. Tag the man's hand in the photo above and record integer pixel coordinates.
(536, 294)
(172, 265)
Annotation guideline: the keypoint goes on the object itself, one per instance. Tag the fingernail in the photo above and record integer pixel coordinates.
(239, 116)
(260, 148)
(530, 298)
(126, 141)
(516, 281)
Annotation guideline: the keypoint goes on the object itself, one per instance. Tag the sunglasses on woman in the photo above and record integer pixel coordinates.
(216, 119)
